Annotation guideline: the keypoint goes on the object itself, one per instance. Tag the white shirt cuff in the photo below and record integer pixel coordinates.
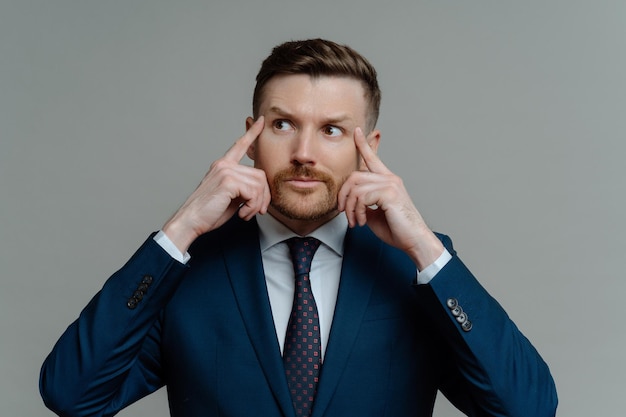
(169, 247)
(428, 273)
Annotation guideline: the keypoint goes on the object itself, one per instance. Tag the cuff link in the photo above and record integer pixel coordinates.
(139, 293)
(457, 311)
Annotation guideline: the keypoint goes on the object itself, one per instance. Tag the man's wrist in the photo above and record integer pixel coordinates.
(179, 233)
(427, 274)
(427, 249)
(168, 246)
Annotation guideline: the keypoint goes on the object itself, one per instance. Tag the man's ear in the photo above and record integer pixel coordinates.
(373, 139)
(251, 149)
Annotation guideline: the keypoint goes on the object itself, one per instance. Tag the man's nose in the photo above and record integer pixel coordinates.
(304, 147)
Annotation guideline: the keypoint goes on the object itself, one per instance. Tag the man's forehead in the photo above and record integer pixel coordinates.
(339, 96)
(329, 116)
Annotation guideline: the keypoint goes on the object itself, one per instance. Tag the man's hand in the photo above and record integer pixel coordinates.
(227, 187)
(377, 197)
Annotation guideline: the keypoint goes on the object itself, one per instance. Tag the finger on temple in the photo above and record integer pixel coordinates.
(372, 161)
(238, 150)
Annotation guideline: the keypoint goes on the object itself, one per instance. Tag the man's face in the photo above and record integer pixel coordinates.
(307, 147)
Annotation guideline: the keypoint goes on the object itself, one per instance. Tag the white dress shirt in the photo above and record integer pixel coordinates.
(325, 270)
(324, 275)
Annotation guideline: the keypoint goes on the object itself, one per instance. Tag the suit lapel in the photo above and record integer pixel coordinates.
(360, 264)
(245, 269)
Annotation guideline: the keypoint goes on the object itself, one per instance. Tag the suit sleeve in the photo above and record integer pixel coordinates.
(496, 371)
(109, 357)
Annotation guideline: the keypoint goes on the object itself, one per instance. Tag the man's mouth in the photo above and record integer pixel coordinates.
(303, 182)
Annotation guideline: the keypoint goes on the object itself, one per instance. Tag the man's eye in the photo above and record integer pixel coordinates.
(282, 125)
(332, 131)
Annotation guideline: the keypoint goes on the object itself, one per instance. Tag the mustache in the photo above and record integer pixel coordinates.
(304, 172)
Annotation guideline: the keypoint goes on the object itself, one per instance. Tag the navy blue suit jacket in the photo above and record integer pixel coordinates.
(206, 331)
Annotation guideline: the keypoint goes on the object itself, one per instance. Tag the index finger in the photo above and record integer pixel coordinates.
(372, 161)
(239, 148)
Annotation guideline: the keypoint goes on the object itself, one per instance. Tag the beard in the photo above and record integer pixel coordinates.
(304, 204)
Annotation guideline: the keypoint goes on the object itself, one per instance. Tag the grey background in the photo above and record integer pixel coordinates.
(505, 119)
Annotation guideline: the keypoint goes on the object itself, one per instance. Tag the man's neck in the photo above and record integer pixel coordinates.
(331, 233)
(302, 227)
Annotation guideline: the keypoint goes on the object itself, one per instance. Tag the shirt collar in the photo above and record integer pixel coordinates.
(331, 233)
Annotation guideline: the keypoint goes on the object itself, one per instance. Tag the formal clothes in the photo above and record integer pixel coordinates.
(212, 331)
(325, 272)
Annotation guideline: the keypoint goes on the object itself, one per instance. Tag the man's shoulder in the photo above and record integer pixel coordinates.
(232, 233)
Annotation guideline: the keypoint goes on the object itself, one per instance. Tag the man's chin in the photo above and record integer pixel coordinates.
(304, 204)
(300, 212)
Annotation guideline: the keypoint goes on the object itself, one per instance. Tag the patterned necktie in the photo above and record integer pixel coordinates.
(303, 352)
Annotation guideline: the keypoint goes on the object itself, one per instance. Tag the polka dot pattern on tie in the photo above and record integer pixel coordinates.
(302, 351)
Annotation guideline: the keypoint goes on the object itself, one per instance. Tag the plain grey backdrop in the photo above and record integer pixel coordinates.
(506, 120)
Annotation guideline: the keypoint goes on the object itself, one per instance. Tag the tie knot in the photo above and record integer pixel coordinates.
(302, 250)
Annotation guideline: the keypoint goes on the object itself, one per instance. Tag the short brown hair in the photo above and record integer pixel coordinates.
(319, 57)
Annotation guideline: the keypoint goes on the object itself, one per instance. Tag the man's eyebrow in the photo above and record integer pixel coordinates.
(339, 118)
(279, 111)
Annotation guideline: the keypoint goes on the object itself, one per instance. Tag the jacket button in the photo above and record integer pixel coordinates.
(138, 295)
(452, 302)
(467, 326)
(147, 279)
(132, 303)
(462, 318)
(456, 311)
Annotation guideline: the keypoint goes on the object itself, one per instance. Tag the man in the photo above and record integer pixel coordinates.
(207, 305)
